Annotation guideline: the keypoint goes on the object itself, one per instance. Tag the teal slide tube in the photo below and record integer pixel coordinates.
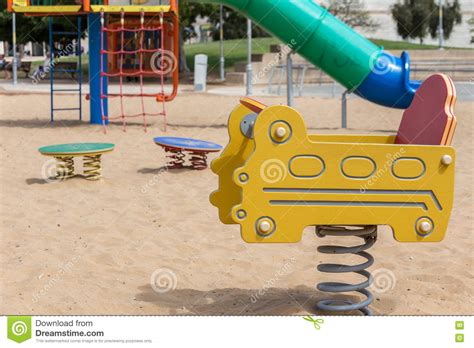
(311, 31)
(334, 47)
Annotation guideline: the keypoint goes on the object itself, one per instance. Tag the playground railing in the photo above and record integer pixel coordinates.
(44, 7)
(459, 70)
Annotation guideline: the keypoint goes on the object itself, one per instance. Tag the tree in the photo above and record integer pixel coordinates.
(451, 16)
(471, 26)
(27, 28)
(353, 13)
(188, 11)
(413, 18)
(417, 18)
(235, 26)
(32, 28)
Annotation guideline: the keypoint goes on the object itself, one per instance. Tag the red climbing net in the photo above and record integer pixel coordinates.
(160, 64)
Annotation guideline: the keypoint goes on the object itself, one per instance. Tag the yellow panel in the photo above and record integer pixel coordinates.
(273, 205)
(128, 9)
(234, 155)
(358, 167)
(47, 9)
(408, 168)
(352, 138)
(306, 166)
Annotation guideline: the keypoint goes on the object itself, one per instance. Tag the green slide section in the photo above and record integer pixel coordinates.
(311, 31)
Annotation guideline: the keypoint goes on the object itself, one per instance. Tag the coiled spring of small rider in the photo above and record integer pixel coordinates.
(369, 235)
(64, 167)
(198, 160)
(92, 167)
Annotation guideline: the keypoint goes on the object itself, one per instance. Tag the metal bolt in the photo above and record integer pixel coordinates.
(241, 214)
(425, 226)
(243, 177)
(446, 160)
(264, 226)
(280, 132)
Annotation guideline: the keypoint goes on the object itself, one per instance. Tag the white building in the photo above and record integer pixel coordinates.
(380, 11)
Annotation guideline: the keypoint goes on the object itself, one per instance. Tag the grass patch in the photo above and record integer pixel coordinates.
(236, 50)
(402, 45)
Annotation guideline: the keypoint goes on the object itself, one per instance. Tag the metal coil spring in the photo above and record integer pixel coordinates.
(64, 167)
(92, 167)
(198, 160)
(176, 159)
(369, 235)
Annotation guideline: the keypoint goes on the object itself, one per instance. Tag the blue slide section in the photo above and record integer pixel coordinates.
(389, 82)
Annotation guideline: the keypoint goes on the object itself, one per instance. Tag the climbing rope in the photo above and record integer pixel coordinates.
(140, 73)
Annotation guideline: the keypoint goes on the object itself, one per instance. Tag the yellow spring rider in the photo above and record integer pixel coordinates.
(275, 179)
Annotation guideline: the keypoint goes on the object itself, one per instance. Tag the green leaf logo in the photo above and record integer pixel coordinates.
(316, 322)
(19, 328)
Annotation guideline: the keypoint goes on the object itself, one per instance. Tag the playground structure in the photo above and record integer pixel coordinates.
(70, 69)
(178, 148)
(275, 179)
(125, 41)
(139, 39)
(65, 154)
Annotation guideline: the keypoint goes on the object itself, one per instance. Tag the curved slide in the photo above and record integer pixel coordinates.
(349, 58)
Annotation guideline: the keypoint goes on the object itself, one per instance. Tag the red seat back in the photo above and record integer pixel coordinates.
(430, 118)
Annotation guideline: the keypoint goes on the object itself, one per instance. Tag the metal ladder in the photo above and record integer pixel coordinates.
(78, 70)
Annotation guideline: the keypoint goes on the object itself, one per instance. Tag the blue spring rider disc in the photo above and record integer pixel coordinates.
(180, 148)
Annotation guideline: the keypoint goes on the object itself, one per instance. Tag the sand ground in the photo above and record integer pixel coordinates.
(81, 247)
